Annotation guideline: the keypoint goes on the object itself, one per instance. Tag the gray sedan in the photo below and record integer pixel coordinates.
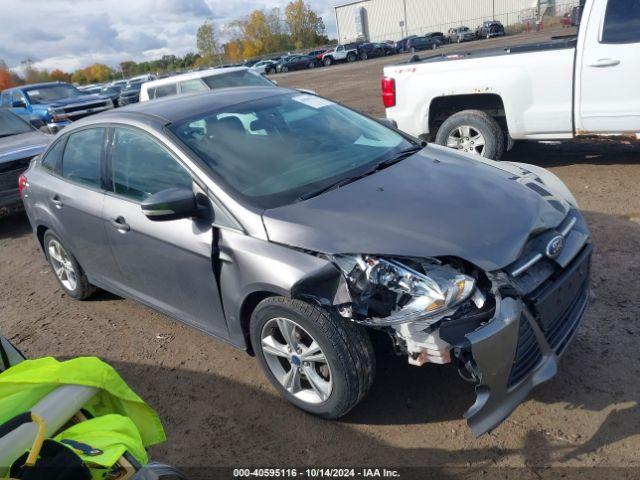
(292, 227)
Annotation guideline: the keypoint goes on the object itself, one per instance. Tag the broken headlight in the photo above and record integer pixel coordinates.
(389, 292)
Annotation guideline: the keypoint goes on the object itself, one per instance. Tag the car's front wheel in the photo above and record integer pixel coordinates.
(327, 61)
(66, 268)
(318, 361)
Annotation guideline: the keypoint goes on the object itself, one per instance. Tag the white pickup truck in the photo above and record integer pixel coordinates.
(570, 87)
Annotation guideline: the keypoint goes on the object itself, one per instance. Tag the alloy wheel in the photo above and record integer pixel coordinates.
(296, 360)
(62, 265)
(466, 138)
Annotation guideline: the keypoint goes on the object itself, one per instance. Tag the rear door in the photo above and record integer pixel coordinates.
(607, 97)
(166, 265)
(73, 195)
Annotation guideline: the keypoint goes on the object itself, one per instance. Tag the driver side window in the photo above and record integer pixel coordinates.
(142, 167)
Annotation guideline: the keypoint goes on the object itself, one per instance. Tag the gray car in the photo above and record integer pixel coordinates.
(19, 143)
(292, 227)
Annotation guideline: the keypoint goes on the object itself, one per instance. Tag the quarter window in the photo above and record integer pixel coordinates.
(82, 157)
(191, 86)
(166, 90)
(52, 160)
(142, 167)
(622, 22)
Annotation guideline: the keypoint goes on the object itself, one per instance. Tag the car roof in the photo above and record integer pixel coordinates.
(36, 85)
(191, 76)
(176, 108)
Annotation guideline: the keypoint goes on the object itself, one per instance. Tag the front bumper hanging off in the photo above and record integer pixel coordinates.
(519, 348)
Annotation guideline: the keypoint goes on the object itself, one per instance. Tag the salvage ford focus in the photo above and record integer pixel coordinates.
(290, 226)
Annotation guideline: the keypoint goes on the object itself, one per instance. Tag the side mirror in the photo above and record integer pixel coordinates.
(387, 122)
(19, 103)
(170, 204)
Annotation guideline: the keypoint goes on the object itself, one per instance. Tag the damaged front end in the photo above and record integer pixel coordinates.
(503, 329)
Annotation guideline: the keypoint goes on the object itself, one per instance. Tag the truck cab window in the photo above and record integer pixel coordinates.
(622, 22)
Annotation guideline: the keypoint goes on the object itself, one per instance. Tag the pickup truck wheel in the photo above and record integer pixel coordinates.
(328, 61)
(70, 275)
(318, 361)
(351, 57)
(473, 131)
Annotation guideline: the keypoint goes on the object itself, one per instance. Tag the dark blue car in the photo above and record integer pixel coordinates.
(56, 103)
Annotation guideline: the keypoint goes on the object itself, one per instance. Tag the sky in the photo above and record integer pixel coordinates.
(70, 34)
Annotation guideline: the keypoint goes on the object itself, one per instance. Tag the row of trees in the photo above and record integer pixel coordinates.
(262, 32)
(259, 33)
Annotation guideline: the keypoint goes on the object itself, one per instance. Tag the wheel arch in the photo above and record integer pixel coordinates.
(443, 107)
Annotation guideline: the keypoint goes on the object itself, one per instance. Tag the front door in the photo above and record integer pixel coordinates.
(609, 69)
(167, 264)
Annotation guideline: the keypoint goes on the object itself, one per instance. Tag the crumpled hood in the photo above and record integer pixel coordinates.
(434, 203)
(22, 146)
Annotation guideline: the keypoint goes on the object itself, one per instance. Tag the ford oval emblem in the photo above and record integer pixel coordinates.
(554, 247)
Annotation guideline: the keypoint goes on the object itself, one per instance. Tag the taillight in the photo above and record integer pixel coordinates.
(388, 92)
(22, 183)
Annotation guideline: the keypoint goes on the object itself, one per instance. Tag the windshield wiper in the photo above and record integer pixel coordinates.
(401, 155)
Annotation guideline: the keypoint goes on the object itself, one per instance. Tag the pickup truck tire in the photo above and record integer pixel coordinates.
(347, 359)
(351, 57)
(68, 272)
(482, 122)
(327, 61)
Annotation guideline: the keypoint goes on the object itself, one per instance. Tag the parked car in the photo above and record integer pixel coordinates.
(422, 43)
(177, 211)
(20, 142)
(317, 54)
(130, 93)
(401, 45)
(90, 89)
(57, 104)
(113, 92)
(460, 34)
(565, 20)
(203, 81)
(489, 29)
(438, 36)
(296, 62)
(341, 53)
(562, 89)
(265, 67)
(372, 50)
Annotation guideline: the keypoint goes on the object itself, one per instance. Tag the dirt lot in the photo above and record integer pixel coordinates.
(219, 410)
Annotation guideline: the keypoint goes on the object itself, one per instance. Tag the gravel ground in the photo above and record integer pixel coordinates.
(219, 410)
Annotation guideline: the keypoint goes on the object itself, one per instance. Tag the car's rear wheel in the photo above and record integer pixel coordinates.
(473, 131)
(66, 268)
(318, 361)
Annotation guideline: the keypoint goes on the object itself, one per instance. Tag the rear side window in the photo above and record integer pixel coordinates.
(166, 90)
(52, 160)
(191, 86)
(82, 157)
(622, 22)
(142, 167)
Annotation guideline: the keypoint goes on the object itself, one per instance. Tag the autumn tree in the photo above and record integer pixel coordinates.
(305, 26)
(60, 76)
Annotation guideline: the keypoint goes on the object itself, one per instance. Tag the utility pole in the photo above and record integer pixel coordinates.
(406, 27)
(493, 9)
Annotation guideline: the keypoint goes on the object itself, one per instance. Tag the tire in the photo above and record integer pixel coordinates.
(351, 57)
(459, 40)
(484, 123)
(80, 288)
(327, 61)
(345, 345)
(488, 36)
(284, 69)
(312, 64)
(364, 56)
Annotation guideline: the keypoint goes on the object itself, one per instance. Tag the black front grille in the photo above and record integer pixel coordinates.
(10, 171)
(528, 353)
(85, 106)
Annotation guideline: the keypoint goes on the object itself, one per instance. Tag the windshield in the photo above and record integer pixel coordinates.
(276, 150)
(241, 78)
(51, 93)
(11, 124)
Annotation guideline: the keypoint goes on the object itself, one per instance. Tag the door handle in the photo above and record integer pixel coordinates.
(121, 224)
(605, 62)
(56, 201)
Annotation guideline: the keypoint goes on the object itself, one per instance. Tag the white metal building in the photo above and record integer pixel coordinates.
(379, 20)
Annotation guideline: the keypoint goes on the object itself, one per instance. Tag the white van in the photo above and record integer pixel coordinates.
(203, 81)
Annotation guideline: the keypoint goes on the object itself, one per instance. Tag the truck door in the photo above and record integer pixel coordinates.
(608, 68)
